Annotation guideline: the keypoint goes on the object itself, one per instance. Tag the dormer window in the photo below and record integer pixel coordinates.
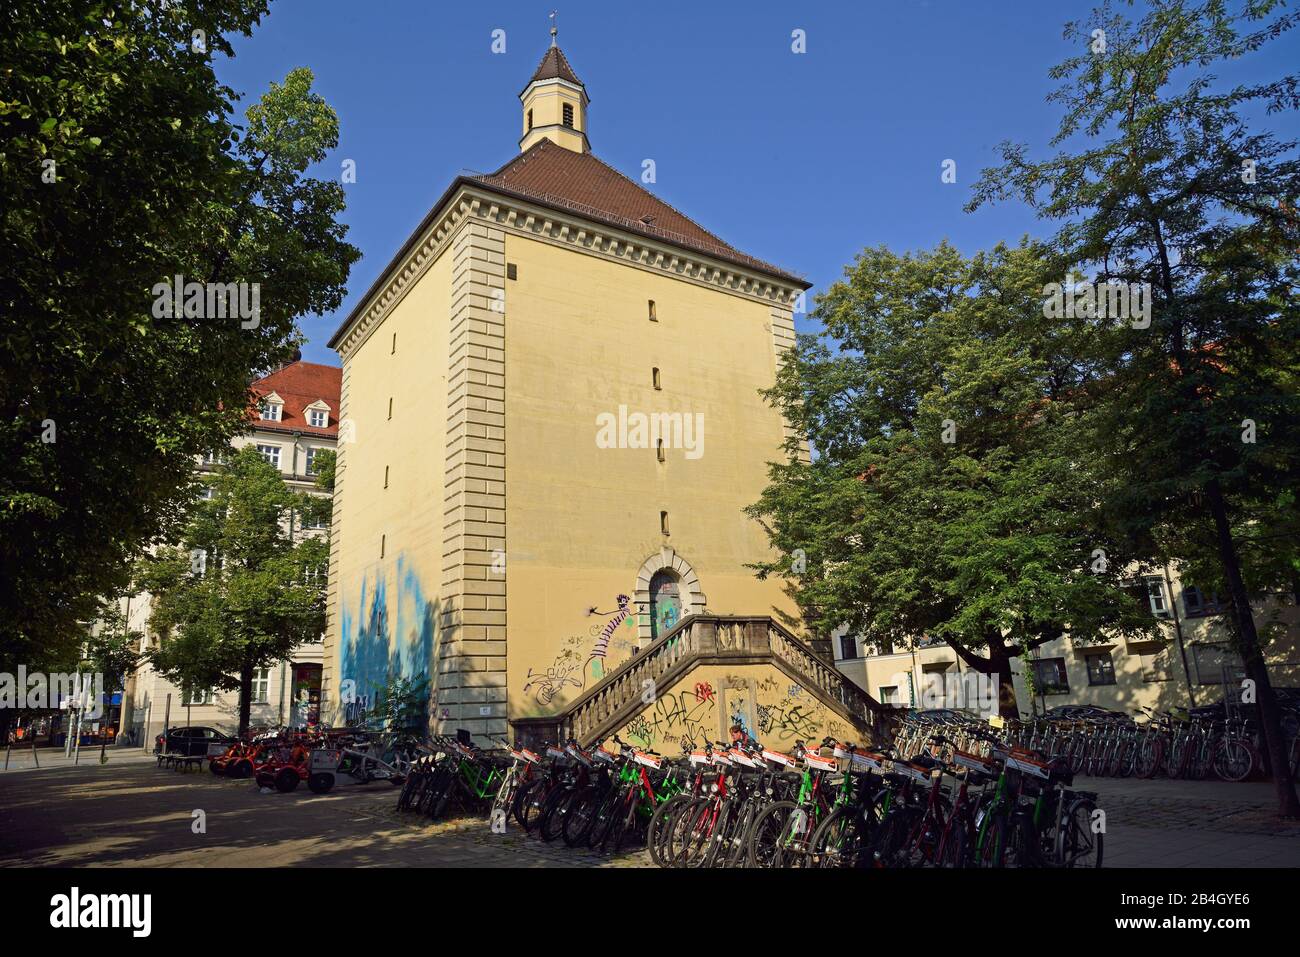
(271, 408)
(568, 115)
(318, 418)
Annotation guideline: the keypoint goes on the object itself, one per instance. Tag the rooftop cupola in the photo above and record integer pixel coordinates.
(555, 104)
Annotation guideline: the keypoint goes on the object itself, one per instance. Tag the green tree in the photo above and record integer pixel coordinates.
(122, 166)
(113, 650)
(238, 591)
(946, 498)
(1161, 183)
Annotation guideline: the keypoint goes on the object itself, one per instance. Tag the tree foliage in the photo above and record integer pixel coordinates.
(238, 590)
(1162, 179)
(122, 165)
(947, 497)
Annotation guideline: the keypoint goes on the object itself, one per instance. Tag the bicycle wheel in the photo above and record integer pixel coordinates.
(890, 846)
(729, 820)
(1150, 758)
(1234, 760)
(625, 826)
(992, 853)
(696, 832)
(505, 798)
(674, 850)
(841, 840)
(765, 833)
(955, 849)
(658, 831)
(581, 814)
(603, 815)
(794, 846)
(551, 824)
(1021, 848)
(1078, 843)
(528, 804)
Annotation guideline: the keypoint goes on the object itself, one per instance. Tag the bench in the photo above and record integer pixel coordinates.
(180, 762)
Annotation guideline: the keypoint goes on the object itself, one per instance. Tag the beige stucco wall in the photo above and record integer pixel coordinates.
(581, 520)
(384, 610)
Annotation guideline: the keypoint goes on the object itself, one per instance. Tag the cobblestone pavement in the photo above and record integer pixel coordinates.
(129, 812)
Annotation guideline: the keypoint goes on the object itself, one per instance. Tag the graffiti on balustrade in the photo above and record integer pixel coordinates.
(677, 718)
(788, 719)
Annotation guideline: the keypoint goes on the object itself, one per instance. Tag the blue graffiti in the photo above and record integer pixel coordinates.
(369, 656)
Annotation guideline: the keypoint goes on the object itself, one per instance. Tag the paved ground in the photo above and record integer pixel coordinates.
(128, 812)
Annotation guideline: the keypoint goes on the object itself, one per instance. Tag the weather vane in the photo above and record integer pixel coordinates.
(554, 30)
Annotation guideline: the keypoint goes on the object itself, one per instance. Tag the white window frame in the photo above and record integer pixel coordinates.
(261, 689)
(324, 415)
(263, 451)
(201, 699)
(271, 411)
(1155, 588)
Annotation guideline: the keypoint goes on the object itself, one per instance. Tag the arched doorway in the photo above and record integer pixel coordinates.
(690, 595)
(665, 602)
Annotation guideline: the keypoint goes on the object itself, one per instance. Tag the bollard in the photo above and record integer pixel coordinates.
(8, 748)
(34, 757)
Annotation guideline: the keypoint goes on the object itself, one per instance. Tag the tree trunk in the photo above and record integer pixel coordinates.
(245, 696)
(997, 663)
(1000, 666)
(1252, 657)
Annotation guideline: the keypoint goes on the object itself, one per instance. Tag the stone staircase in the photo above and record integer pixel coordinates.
(705, 640)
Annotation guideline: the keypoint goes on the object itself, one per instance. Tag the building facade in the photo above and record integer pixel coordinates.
(1191, 664)
(296, 417)
(552, 424)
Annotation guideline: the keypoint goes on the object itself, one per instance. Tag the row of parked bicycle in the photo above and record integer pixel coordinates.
(1113, 744)
(738, 805)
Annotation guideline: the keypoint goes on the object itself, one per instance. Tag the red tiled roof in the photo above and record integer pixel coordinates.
(584, 184)
(300, 384)
(554, 64)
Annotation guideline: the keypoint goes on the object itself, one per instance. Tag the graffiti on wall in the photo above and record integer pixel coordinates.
(584, 657)
(388, 633)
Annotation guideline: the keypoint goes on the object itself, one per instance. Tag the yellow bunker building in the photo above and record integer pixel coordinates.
(550, 423)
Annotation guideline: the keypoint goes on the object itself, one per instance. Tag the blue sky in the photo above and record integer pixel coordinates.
(800, 159)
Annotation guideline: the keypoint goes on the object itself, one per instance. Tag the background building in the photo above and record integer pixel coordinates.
(296, 418)
(1188, 666)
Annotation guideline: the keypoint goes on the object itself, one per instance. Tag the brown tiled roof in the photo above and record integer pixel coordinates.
(583, 184)
(579, 183)
(300, 384)
(554, 64)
